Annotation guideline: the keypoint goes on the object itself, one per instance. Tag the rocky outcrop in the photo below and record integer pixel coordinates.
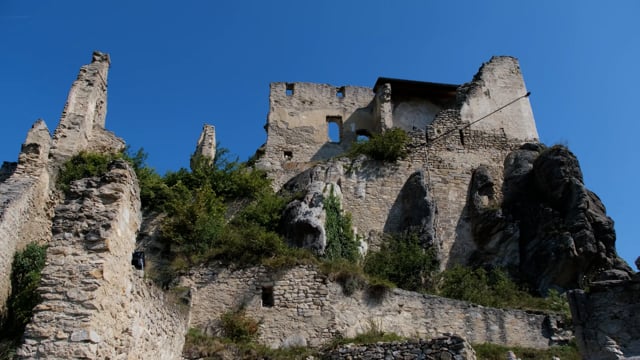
(95, 305)
(443, 347)
(606, 319)
(549, 227)
(414, 210)
(303, 221)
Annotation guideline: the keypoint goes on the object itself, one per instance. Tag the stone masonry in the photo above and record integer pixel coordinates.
(303, 306)
(25, 205)
(95, 305)
(448, 143)
(27, 197)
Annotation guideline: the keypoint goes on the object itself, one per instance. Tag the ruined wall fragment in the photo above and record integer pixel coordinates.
(303, 304)
(206, 146)
(95, 305)
(25, 205)
(82, 122)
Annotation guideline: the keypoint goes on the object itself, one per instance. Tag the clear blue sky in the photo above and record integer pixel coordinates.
(179, 64)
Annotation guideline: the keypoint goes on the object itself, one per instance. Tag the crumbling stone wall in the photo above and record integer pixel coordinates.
(443, 347)
(607, 319)
(298, 121)
(25, 205)
(82, 122)
(309, 309)
(28, 197)
(95, 305)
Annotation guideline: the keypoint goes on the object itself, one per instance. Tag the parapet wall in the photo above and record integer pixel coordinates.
(302, 306)
(95, 305)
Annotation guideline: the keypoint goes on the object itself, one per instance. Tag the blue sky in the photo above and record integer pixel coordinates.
(177, 65)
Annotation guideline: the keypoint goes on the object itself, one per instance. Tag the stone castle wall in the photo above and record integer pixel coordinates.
(95, 305)
(28, 197)
(308, 308)
(24, 204)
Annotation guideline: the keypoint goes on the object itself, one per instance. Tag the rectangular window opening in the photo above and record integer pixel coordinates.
(461, 137)
(340, 92)
(267, 296)
(289, 89)
(334, 128)
(288, 155)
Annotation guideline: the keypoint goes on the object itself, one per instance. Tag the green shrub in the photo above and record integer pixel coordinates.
(238, 327)
(495, 288)
(25, 279)
(403, 261)
(341, 241)
(373, 335)
(389, 146)
(154, 193)
(83, 165)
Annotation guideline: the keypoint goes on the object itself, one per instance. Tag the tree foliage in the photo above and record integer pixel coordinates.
(341, 241)
(403, 261)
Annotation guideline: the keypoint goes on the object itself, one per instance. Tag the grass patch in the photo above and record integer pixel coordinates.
(201, 346)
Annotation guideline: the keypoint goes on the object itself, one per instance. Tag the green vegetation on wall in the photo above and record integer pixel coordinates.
(341, 241)
(403, 261)
(389, 146)
(25, 279)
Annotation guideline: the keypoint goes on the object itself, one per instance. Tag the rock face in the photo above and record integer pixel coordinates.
(303, 222)
(607, 319)
(549, 228)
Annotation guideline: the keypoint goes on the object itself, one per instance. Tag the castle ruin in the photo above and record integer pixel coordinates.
(462, 144)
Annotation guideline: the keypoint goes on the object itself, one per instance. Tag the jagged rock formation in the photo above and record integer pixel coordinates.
(607, 319)
(549, 228)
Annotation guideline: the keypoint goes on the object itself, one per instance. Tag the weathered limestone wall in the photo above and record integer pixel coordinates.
(310, 309)
(444, 347)
(82, 122)
(297, 124)
(414, 113)
(607, 319)
(206, 145)
(498, 82)
(24, 204)
(95, 305)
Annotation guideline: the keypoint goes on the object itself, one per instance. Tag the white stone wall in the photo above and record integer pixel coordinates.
(498, 82)
(308, 305)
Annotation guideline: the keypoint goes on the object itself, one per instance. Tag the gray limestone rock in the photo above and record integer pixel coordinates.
(552, 228)
(413, 210)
